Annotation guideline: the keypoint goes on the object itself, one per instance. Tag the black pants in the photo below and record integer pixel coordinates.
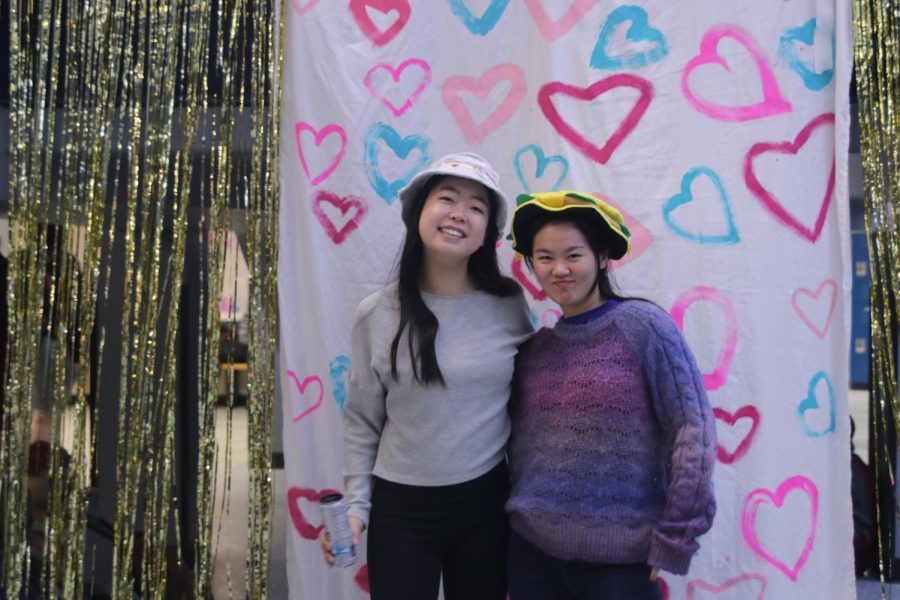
(417, 534)
(536, 575)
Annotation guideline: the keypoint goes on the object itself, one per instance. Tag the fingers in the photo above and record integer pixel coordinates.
(654, 573)
(326, 548)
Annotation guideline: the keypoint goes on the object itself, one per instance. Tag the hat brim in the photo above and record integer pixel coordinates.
(527, 214)
(411, 190)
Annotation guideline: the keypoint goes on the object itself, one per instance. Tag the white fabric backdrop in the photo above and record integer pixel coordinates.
(720, 129)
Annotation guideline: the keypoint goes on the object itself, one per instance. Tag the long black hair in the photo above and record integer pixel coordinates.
(414, 313)
(596, 240)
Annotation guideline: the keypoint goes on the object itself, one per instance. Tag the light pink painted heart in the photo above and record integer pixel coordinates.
(773, 102)
(301, 387)
(318, 138)
(550, 317)
(481, 87)
(817, 296)
(550, 29)
(773, 204)
(739, 582)
(640, 240)
(356, 207)
(519, 274)
(719, 375)
(411, 64)
(763, 497)
(301, 8)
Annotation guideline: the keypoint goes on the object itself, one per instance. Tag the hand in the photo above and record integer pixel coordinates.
(356, 528)
(654, 573)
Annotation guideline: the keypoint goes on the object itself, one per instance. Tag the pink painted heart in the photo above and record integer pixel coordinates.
(817, 297)
(352, 210)
(600, 154)
(362, 578)
(481, 87)
(773, 103)
(550, 29)
(303, 526)
(741, 586)
(301, 387)
(381, 91)
(380, 35)
(525, 281)
(300, 7)
(318, 138)
(773, 204)
(745, 412)
(763, 497)
(640, 240)
(719, 375)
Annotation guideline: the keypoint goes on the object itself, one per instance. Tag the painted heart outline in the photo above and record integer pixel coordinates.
(396, 73)
(639, 30)
(805, 34)
(716, 379)
(402, 147)
(484, 24)
(770, 202)
(318, 137)
(829, 284)
(811, 402)
(534, 290)
(641, 237)
(301, 387)
(762, 496)
(773, 102)
(369, 28)
(744, 412)
(302, 525)
(339, 370)
(300, 8)
(552, 30)
(345, 204)
(542, 161)
(685, 196)
(481, 87)
(600, 154)
(699, 584)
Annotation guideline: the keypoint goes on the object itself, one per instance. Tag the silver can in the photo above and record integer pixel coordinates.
(337, 526)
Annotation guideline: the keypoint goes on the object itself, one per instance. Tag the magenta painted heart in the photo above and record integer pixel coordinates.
(307, 405)
(382, 92)
(773, 204)
(762, 497)
(379, 36)
(481, 87)
(303, 525)
(719, 375)
(745, 412)
(773, 102)
(739, 586)
(600, 154)
(319, 137)
(550, 29)
(818, 296)
(519, 273)
(351, 209)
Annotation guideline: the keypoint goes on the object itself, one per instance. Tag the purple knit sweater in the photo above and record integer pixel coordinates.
(613, 441)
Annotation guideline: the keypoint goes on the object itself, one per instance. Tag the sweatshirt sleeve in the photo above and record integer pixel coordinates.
(364, 417)
(684, 413)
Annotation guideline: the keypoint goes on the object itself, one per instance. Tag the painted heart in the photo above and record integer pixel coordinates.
(719, 375)
(773, 204)
(318, 138)
(641, 238)
(401, 147)
(303, 526)
(339, 370)
(550, 317)
(541, 162)
(479, 25)
(600, 154)
(525, 281)
(789, 48)
(352, 210)
(745, 412)
(379, 34)
(639, 32)
(380, 87)
(773, 103)
(481, 87)
(741, 586)
(685, 196)
(301, 387)
(550, 29)
(811, 403)
(763, 497)
(362, 578)
(816, 297)
(301, 7)
(663, 588)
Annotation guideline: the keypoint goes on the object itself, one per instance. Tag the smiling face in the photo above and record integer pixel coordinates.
(567, 268)
(454, 219)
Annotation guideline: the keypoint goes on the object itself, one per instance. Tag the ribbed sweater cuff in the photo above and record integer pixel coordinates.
(669, 559)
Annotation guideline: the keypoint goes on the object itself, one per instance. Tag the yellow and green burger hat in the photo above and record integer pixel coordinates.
(592, 209)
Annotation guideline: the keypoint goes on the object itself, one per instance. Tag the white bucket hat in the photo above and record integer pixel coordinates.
(467, 165)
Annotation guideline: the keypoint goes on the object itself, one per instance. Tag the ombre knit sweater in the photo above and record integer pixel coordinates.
(613, 441)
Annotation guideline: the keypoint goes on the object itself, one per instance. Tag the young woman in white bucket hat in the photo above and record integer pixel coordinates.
(426, 422)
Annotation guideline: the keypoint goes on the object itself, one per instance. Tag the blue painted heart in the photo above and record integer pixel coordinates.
(401, 147)
(685, 196)
(648, 43)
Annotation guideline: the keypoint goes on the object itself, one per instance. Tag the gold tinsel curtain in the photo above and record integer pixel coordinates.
(140, 131)
(877, 68)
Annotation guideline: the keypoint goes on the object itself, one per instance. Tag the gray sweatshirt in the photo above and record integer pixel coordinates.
(430, 435)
